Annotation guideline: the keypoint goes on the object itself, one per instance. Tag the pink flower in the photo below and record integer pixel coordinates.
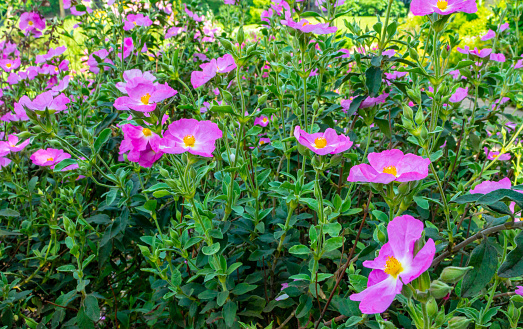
(371, 101)
(459, 95)
(519, 64)
(261, 121)
(133, 20)
(77, 12)
(479, 53)
(223, 64)
(266, 15)
(390, 52)
(500, 102)
(53, 52)
(442, 7)
(456, 74)
(389, 166)
(328, 142)
(142, 145)
(490, 35)
(4, 162)
(306, 27)
(20, 114)
(264, 141)
(93, 62)
(395, 265)
(32, 23)
(12, 144)
(493, 155)
(503, 27)
(489, 186)
(345, 104)
(191, 135)
(49, 157)
(13, 78)
(8, 65)
(128, 47)
(174, 31)
(193, 15)
(395, 75)
(133, 77)
(519, 291)
(46, 101)
(498, 58)
(143, 95)
(62, 85)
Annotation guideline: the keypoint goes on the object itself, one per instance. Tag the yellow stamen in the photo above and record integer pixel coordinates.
(390, 170)
(147, 132)
(145, 99)
(30, 23)
(265, 120)
(135, 23)
(50, 159)
(320, 142)
(494, 155)
(262, 142)
(56, 69)
(442, 4)
(9, 65)
(305, 23)
(189, 140)
(393, 267)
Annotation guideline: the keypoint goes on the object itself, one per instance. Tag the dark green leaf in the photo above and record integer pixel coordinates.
(484, 259)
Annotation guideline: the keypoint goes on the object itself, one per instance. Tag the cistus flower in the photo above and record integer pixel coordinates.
(143, 96)
(53, 52)
(49, 157)
(133, 77)
(93, 63)
(328, 142)
(191, 135)
(8, 65)
(31, 22)
(442, 7)
(142, 145)
(174, 31)
(475, 52)
(459, 95)
(489, 35)
(519, 291)
(493, 155)
(12, 144)
(389, 166)
(395, 265)
(264, 141)
(371, 101)
(498, 58)
(261, 121)
(489, 186)
(390, 52)
(306, 27)
(19, 115)
(46, 101)
(133, 20)
(223, 64)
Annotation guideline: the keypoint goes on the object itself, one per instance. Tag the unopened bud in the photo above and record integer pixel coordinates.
(420, 118)
(403, 188)
(407, 112)
(453, 274)
(459, 322)
(439, 289)
(413, 54)
(262, 100)
(315, 105)
(432, 307)
(380, 233)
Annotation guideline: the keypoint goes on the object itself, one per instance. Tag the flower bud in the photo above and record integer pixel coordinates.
(406, 291)
(432, 307)
(380, 233)
(453, 274)
(262, 100)
(420, 118)
(164, 173)
(403, 188)
(227, 96)
(439, 289)
(413, 54)
(459, 322)
(407, 112)
(240, 37)
(315, 105)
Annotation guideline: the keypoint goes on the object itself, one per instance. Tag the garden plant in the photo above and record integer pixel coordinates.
(163, 167)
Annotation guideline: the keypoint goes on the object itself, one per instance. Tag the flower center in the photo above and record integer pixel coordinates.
(135, 23)
(30, 23)
(9, 65)
(189, 140)
(442, 4)
(145, 99)
(56, 69)
(262, 142)
(494, 155)
(50, 159)
(390, 170)
(264, 120)
(320, 142)
(304, 24)
(147, 132)
(393, 267)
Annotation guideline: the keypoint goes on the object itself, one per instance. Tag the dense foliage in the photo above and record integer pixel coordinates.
(171, 169)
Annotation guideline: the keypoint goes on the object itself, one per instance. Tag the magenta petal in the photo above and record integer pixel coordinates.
(384, 159)
(379, 262)
(378, 297)
(403, 233)
(420, 263)
(365, 173)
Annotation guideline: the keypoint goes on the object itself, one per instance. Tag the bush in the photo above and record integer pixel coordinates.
(162, 167)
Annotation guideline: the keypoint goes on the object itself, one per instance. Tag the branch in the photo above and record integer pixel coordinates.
(479, 235)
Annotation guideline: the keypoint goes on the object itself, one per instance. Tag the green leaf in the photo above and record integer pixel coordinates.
(513, 265)
(102, 139)
(221, 109)
(9, 213)
(229, 313)
(211, 250)
(373, 80)
(421, 202)
(83, 320)
(243, 288)
(92, 310)
(384, 126)
(484, 259)
(299, 250)
(333, 243)
(63, 164)
(222, 297)
(176, 277)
